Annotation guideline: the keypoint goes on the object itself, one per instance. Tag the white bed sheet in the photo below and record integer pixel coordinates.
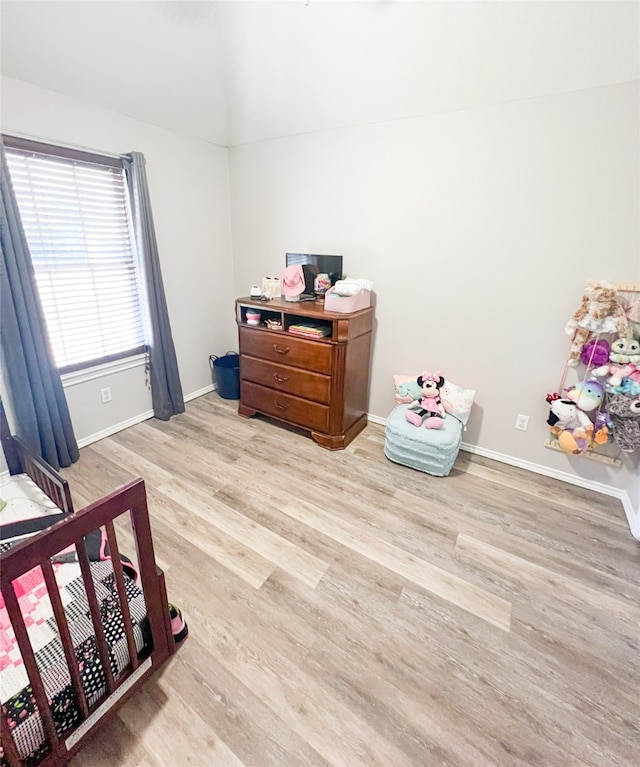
(24, 499)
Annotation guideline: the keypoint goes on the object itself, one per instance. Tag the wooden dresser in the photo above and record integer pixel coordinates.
(319, 384)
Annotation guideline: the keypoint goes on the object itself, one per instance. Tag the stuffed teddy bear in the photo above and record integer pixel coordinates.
(428, 409)
(625, 416)
(569, 425)
(599, 312)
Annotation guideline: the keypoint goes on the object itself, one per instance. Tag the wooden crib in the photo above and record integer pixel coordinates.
(144, 647)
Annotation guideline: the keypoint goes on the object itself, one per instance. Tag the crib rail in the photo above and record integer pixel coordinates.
(38, 551)
(20, 459)
(48, 480)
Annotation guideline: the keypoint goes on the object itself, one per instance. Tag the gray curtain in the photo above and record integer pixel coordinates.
(32, 388)
(166, 390)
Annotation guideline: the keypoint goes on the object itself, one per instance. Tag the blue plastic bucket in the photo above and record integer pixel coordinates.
(226, 373)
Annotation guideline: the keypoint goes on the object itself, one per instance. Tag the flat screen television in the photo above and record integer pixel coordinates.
(316, 264)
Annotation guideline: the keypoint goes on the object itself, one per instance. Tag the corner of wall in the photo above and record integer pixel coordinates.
(631, 511)
(633, 516)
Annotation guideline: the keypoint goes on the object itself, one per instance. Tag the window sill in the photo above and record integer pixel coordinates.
(99, 371)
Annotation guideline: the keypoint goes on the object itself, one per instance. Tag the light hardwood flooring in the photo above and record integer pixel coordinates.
(348, 612)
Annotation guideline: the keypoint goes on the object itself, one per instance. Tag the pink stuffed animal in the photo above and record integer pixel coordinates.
(428, 408)
(616, 373)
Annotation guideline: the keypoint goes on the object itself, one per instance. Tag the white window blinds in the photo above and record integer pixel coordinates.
(77, 224)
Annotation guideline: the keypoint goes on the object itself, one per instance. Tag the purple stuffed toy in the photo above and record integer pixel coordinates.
(595, 353)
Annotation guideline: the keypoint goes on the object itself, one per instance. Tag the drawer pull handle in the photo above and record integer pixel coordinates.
(280, 349)
(280, 379)
(279, 406)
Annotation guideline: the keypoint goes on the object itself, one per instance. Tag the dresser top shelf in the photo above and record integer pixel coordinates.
(343, 326)
(310, 309)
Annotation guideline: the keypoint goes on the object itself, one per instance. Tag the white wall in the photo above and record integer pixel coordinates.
(479, 228)
(189, 188)
(294, 68)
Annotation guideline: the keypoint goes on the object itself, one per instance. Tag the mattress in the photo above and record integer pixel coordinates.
(433, 451)
(23, 500)
(16, 694)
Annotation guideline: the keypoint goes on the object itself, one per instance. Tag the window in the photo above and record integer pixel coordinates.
(75, 212)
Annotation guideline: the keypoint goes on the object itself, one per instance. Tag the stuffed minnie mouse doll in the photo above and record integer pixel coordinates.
(428, 409)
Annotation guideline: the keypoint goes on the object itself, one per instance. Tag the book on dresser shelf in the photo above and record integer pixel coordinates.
(309, 330)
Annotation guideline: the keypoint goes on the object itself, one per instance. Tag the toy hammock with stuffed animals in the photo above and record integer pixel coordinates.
(598, 414)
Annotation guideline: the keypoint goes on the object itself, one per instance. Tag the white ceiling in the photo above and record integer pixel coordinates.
(159, 62)
(235, 72)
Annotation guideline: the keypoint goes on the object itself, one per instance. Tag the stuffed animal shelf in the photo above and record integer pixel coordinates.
(599, 415)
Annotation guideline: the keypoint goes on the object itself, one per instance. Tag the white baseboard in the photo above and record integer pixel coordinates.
(136, 419)
(115, 428)
(633, 518)
(200, 392)
(632, 514)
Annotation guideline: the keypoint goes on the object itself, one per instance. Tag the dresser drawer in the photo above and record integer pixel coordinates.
(286, 349)
(286, 379)
(288, 408)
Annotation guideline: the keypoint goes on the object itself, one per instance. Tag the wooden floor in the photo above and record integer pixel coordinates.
(350, 612)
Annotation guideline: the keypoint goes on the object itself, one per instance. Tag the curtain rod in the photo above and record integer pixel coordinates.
(57, 142)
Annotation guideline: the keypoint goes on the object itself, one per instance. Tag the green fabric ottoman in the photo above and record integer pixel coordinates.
(433, 451)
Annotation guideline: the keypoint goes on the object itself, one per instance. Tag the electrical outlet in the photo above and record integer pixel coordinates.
(106, 394)
(522, 422)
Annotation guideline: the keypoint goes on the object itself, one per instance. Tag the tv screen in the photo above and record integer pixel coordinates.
(331, 265)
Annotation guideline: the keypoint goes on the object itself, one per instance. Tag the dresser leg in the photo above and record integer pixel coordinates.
(245, 411)
(340, 441)
(330, 443)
